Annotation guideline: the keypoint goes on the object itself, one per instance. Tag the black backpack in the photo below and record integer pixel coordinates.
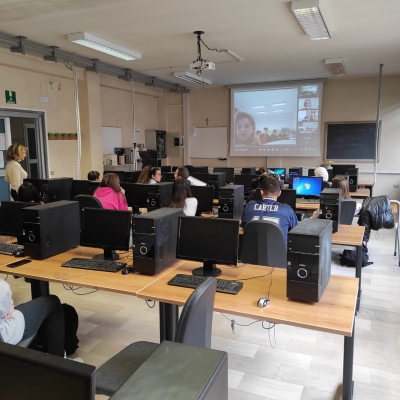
(71, 328)
(348, 258)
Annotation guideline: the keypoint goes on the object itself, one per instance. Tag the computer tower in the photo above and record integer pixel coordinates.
(50, 229)
(249, 170)
(231, 201)
(54, 189)
(168, 177)
(297, 171)
(218, 180)
(309, 259)
(353, 179)
(157, 194)
(148, 157)
(330, 204)
(154, 237)
(201, 176)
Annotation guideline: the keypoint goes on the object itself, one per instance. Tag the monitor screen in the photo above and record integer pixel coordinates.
(288, 196)
(228, 171)
(278, 171)
(307, 185)
(83, 187)
(245, 180)
(208, 240)
(106, 229)
(11, 223)
(136, 194)
(30, 374)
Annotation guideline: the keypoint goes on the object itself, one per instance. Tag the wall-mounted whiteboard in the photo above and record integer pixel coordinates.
(112, 137)
(208, 142)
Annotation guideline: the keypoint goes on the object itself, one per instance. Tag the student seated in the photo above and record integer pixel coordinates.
(150, 175)
(269, 209)
(182, 198)
(28, 194)
(183, 173)
(110, 194)
(93, 176)
(340, 182)
(323, 173)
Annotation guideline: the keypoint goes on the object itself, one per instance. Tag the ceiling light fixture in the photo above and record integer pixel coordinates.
(335, 66)
(277, 111)
(258, 107)
(310, 17)
(187, 76)
(96, 43)
(261, 112)
(278, 104)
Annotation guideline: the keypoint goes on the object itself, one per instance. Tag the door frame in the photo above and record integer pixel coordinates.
(42, 140)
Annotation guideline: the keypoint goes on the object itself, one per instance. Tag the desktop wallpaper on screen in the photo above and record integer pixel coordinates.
(307, 186)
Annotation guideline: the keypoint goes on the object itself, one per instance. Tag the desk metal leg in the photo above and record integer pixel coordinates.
(358, 275)
(39, 288)
(348, 355)
(169, 314)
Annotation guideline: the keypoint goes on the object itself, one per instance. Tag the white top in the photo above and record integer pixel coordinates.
(15, 174)
(196, 182)
(190, 207)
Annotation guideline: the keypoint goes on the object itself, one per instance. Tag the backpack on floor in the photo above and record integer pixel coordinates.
(348, 258)
(71, 328)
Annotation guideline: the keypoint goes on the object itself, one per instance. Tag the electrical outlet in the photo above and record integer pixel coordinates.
(51, 172)
(396, 186)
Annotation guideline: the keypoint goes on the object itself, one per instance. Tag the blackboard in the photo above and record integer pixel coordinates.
(351, 141)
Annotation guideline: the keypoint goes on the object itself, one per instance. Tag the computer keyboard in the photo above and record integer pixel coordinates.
(98, 265)
(313, 201)
(10, 249)
(193, 281)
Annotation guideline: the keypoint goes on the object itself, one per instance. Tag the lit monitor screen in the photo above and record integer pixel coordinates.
(208, 240)
(11, 223)
(106, 229)
(278, 171)
(307, 185)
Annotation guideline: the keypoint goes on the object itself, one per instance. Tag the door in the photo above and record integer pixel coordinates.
(32, 156)
(5, 141)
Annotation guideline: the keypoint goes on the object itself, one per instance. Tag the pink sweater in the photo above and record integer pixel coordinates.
(109, 199)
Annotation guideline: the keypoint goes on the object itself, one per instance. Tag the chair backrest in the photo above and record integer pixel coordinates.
(347, 210)
(87, 201)
(326, 185)
(263, 243)
(195, 322)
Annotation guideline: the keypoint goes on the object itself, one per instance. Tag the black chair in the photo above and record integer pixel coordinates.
(347, 210)
(326, 185)
(263, 243)
(86, 201)
(194, 328)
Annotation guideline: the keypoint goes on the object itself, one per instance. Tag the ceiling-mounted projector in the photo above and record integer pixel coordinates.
(201, 65)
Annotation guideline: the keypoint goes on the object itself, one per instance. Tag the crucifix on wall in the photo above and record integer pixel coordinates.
(207, 121)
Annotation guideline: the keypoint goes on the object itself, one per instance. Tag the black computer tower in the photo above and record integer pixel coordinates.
(50, 229)
(353, 179)
(157, 194)
(201, 176)
(231, 201)
(218, 180)
(54, 189)
(149, 157)
(309, 259)
(330, 204)
(154, 237)
(249, 170)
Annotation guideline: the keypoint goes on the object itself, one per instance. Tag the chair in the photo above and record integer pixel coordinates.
(347, 210)
(23, 343)
(395, 206)
(263, 243)
(326, 185)
(86, 201)
(194, 328)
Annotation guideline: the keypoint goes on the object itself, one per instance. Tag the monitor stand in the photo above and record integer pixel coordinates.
(107, 255)
(208, 269)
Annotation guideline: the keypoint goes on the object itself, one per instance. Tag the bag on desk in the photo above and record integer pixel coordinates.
(71, 328)
(348, 258)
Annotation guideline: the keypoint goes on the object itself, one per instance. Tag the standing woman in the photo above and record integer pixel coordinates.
(15, 174)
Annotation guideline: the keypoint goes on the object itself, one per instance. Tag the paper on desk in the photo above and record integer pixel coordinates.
(2, 141)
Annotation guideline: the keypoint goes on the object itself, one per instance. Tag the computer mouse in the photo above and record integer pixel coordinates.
(19, 254)
(127, 270)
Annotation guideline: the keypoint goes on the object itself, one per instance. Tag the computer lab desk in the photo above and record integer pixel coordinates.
(334, 313)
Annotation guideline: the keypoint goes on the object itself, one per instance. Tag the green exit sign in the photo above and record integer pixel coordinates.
(11, 97)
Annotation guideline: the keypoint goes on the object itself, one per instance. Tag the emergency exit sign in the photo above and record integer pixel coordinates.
(11, 97)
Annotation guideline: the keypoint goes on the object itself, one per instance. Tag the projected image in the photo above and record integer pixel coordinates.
(308, 91)
(310, 115)
(307, 186)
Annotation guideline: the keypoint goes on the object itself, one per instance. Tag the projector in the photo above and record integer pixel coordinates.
(201, 65)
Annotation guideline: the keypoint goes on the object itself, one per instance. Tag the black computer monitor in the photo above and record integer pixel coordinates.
(106, 229)
(11, 223)
(311, 172)
(30, 374)
(201, 176)
(307, 186)
(168, 176)
(136, 194)
(166, 168)
(278, 171)
(228, 171)
(249, 170)
(341, 169)
(204, 196)
(288, 196)
(202, 170)
(245, 180)
(208, 240)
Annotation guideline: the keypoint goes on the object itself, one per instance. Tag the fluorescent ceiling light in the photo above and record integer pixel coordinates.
(258, 107)
(309, 15)
(187, 76)
(277, 111)
(335, 66)
(261, 112)
(96, 43)
(278, 104)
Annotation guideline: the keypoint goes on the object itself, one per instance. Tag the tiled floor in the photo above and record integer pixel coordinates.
(301, 365)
